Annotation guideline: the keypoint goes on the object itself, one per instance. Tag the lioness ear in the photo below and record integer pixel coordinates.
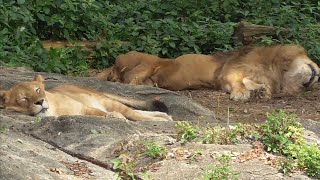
(38, 78)
(3, 94)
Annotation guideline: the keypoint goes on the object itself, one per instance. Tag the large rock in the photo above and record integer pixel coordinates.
(82, 147)
(179, 106)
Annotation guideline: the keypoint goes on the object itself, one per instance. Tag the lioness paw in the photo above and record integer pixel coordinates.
(163, 119)
(115, 115)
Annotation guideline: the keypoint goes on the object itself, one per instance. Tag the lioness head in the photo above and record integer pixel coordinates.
(26, 97)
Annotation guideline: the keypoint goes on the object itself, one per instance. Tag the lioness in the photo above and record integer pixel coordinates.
(191, 71)
(31, 98)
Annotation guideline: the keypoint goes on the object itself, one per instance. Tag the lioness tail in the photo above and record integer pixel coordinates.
(151, 105)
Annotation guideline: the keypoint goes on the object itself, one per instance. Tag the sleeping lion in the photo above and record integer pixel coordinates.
(192, 71)
(260, 71)
(31, 98)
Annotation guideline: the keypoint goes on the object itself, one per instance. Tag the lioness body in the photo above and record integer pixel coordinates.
(191, 71)
(31, 98)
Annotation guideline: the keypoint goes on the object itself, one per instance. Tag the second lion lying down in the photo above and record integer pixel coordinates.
(263, 70)
(32, 99)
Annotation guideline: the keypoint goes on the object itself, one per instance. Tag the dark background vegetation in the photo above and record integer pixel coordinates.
(164, 28)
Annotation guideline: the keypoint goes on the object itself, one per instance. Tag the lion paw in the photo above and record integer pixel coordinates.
(241, 95)
(262, 93)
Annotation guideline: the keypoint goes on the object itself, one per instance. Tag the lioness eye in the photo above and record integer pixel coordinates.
(38, 90)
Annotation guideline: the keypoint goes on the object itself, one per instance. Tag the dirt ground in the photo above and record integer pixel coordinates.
(306, 105)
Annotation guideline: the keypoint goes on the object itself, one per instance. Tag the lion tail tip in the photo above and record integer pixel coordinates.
(159, 106)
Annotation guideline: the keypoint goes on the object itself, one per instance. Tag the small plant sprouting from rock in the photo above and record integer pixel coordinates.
(155, 150)
(3, 129)
(222, 171)
(231, 135)
(124, 166)
(186, 132)
(38, 120)
(217, 135)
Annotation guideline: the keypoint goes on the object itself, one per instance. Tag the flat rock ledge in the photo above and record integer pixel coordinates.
(82, 147)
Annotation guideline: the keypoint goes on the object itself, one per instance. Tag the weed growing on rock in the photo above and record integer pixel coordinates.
(124, 166)
(186, 132)
(155, 150)
(222, 171)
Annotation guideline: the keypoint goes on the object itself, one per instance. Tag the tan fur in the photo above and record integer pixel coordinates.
(31, 98)
(275, 69)
(190, 71)
(263, 70)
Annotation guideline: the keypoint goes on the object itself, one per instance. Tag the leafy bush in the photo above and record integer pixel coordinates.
(304, 156)
(164, 28)
(280, 131)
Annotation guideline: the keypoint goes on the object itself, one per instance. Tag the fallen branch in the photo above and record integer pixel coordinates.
(247, 33)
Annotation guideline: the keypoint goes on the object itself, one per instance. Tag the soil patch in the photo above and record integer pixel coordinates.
(304, 104)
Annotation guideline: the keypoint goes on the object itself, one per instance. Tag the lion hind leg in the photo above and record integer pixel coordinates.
(134, 115)
(138, 75)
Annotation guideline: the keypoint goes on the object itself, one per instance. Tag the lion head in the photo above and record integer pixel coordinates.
(301, 73)
(26, 97)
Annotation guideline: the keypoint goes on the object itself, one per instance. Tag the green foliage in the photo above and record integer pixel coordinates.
(303, 156)
(124, 166)
(186, 132)
(280, 131)
(71, 61)
(4, 129)
(221, 171)
(155, 150)
(164, 28)
(232, 135)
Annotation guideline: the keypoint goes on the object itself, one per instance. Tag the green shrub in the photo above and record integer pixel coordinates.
(164, 28)
(281, 130)
(306, 157)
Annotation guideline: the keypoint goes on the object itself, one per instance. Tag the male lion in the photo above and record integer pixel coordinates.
(263, 70)
(281, 68)
(32, 99)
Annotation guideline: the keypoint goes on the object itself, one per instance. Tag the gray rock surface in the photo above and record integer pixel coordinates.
(179, 106)
(82, 147)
